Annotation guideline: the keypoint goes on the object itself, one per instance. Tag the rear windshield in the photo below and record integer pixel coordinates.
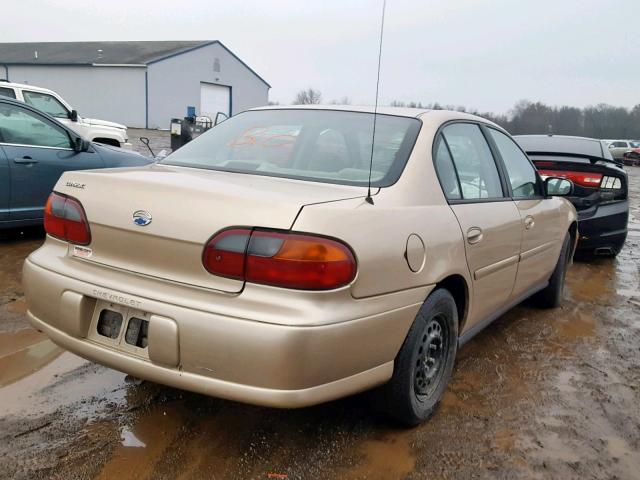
(634, 144)
(317, 145)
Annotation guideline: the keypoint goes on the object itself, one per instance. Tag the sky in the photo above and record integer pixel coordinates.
(485, 55)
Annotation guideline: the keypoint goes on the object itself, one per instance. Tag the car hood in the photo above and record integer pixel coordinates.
(103, 123)
(115, 157)
(186, 206)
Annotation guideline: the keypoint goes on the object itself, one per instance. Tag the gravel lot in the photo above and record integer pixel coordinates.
(539, 394)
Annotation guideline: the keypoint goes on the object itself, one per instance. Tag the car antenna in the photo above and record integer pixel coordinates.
(369, 199)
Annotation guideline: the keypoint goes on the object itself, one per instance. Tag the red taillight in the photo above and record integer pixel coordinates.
(64, 218)
(281, 259)
(585, 179)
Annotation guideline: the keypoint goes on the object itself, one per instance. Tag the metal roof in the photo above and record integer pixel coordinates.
(100, 53)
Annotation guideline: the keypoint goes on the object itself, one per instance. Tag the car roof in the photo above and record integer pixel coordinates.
(441, 115)
(25, 86)
(590, 147)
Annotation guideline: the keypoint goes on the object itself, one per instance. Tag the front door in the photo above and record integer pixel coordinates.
(541, 222)
(38, 152)
(488, 218)
(5, 186)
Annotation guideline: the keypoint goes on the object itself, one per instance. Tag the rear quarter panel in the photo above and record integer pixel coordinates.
(378, 233)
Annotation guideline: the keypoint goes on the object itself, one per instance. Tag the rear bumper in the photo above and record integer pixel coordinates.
(276, 365)
(606, 228)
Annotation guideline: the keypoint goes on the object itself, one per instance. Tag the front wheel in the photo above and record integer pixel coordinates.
(424, 365)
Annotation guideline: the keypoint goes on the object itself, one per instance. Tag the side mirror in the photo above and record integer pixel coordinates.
(80, 145)
(220, 117)
(73, 116)
(558, 187)
(611, 147)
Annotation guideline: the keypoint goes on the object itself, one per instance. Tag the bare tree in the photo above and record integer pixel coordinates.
(310, 96)
(342, 101)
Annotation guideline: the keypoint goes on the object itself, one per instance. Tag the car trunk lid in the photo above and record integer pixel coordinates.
(595, 182)
(186, 207)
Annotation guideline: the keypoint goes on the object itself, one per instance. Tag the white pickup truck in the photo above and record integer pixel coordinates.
(50, 102)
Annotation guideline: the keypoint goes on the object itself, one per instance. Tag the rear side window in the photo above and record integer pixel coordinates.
(7, 92)
(446, 171)
(474, 163)
(522, 175)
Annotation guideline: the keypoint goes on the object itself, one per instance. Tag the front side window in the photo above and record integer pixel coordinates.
(317, 145)
(45, 102)
(22, 127)
(522, 175)
(476, 168)
(7, 92)
(619, 144)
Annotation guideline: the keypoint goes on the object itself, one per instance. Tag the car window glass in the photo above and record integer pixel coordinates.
(7, 92)
(47, 103)
(325, 146)
(522, 175)
(22, 127)
(620, 144)
(446, 171)
(473, 160)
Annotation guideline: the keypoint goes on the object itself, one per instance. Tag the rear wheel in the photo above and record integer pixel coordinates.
(552, 295)
(424, 365)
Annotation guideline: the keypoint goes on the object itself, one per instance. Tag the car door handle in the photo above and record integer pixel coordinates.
(26, 160)
(474, 235)
(529, 222)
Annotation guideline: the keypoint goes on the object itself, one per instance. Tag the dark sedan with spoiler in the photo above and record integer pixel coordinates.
(600, 187)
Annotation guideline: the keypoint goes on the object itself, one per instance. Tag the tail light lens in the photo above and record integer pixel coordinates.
(281, 259)
(584, 179)
(64, 218)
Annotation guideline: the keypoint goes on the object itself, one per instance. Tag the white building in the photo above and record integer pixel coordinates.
(139, 84)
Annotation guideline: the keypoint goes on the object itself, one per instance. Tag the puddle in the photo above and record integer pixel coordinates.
(24, 362)
(388, 456)
(66, 380)
(129, 439)
(144, 444)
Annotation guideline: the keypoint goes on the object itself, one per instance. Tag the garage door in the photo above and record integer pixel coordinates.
(214, 99)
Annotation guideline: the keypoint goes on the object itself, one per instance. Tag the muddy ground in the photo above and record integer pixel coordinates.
(539, 394)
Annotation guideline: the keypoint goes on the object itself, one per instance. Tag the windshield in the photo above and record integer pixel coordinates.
(318, 145)
(45, 102)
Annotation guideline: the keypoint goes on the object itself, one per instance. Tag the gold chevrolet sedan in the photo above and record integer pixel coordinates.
(290, 256)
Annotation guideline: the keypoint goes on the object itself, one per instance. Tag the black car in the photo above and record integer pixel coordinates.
(600, 187)
(35, 149)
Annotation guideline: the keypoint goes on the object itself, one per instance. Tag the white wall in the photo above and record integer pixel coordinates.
(174, 84)
(108, 93)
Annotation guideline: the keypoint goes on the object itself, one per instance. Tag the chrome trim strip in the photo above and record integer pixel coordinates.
(35, 146)
(536, 250)
(494, 267)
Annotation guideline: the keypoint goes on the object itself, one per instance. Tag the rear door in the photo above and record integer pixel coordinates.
(38, 151)
(488, 218)
(541, 223)
(213, 99)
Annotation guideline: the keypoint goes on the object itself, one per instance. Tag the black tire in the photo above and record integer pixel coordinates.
(553, 294)
(419, 380)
